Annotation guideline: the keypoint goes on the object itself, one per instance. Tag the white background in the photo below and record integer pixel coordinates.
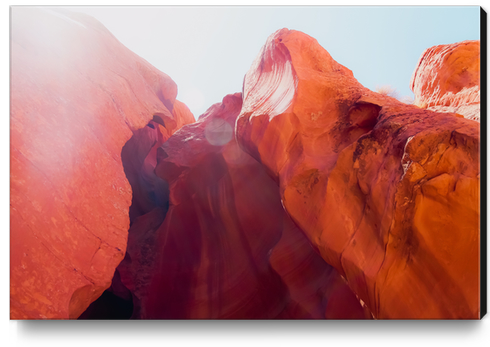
(214, 333)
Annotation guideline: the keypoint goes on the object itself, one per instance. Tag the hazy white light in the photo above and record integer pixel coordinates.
(192, 97)
(218, 132)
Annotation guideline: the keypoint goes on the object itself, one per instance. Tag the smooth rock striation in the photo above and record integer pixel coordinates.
(77, 96)
(388, 193)
(447, 79)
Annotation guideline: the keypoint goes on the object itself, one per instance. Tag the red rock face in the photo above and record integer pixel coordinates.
(225, 249)
(310, 197)
(388, 193)
(447, 79)
(77, 96)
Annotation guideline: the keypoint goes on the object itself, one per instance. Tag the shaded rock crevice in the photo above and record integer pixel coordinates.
(214, 257)
(150, 202)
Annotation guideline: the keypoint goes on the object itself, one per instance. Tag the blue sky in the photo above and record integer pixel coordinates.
(208, 50)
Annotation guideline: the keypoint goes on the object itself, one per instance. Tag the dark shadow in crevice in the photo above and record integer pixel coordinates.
(149, 192)
(108, 306)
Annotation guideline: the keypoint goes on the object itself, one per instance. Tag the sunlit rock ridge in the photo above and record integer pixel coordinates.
(447, 79)
(387, 192)
(305, 196)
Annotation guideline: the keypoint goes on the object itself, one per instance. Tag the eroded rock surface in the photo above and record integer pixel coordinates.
(447, 79)
(225, 248)
(77, 96)
(387, 192)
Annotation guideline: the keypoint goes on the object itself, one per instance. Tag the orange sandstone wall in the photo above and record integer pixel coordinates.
(387, 192)
(447, 79)
(77, 96)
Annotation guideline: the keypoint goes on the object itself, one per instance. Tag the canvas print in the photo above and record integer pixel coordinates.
(245, 163)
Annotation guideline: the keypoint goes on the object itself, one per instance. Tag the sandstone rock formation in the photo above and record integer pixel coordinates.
(447, 79)
(387, 192)
(225, 247)
(305, 196)
(77, 96)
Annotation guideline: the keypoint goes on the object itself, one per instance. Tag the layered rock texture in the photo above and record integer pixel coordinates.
(223, 247)
(447, 79)
(77, 96)
(306, 196)
(387, 192)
